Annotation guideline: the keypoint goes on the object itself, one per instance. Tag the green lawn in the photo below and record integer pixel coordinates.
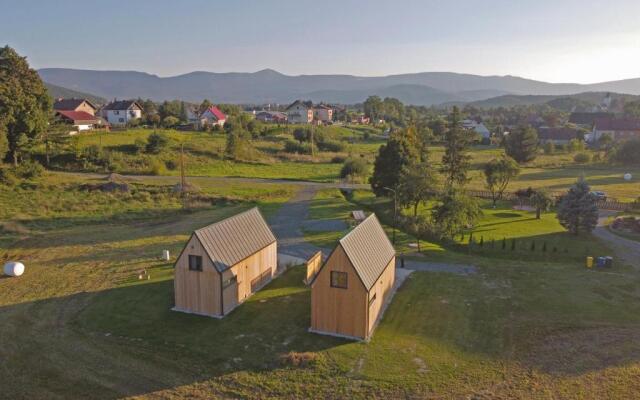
(82, 326)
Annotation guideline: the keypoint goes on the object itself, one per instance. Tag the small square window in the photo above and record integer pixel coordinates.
(339, 279)
(195, 263)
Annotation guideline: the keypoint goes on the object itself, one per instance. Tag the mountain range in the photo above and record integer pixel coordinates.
(269, 86)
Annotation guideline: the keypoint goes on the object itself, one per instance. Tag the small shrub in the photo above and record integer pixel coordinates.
(513, 245)
(582, 158)
(156, 142)
(549, 148)
(544, 247)
(142, 196)
(481, 244)
(292, 146)
(139, 144)
(171, 165)
(533, 246)
(8, 177)
(29, 169)
(332, 146)
(338, 160)
(354, 167)
(504, 243)
(156, 167)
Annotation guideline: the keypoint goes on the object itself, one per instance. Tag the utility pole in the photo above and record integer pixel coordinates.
(395, 211)
(182, 179)
(313, 154)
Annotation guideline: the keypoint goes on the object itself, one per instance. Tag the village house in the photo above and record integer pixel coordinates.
(323, 113)
(271, 117)
(79, 120)
(587, 119)
(349, 290)
(121, 112)
(300, 112)
(477, 127)
(557, 135)
(616, 128)
(212, 116)
(225, 263)
(360, 119)
(73, 104)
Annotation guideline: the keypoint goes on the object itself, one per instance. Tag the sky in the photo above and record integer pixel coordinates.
(556, 41)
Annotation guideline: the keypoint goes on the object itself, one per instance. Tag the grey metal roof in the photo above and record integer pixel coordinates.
(122, 105)
(70, 104)
(231, 240)
(368, 249)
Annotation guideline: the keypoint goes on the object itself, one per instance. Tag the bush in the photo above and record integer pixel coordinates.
(29, 169)
(354, 167)
(582, 158)
(627, 153)
(7, 177)
(156, 167)
(332, 146)
(338, 160)
(292, 146)
(171, 165)
(549, 148)
(156, 142)
(302, 134)
(576, 145)
(139, 144)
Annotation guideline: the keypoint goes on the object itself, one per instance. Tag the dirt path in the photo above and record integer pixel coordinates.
(625, 249)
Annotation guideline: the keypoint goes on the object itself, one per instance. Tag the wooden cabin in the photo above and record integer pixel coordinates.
(349, 290)
(225, 263)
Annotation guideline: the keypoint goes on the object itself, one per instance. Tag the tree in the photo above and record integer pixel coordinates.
(578, 210)
(204, 106)
(541, 200)
(455, 213)
(25, 104)
(498, 173)
(632, 109)
(373, 108)
(170, 121)
(390, 161)
(456, 160)
(522, 144)
(354, 168)
(627, 153)
(417, 184)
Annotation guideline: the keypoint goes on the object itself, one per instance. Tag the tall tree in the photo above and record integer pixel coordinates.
(24, 103)
(392, 157)
(373, 108)
(578, 210)
(498, 173)
(456, 159)
(417, 184)
(455, 213)
(522, 144)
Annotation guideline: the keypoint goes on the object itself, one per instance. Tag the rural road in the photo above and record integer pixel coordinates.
(626, 249)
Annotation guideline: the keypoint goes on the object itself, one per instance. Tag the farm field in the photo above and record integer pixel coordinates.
(204, 157)
(82, 325)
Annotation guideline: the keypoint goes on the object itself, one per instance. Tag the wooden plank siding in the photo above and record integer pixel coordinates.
(251, 275)
(335, 310)
(313, 266)
(202, 292)
(196, 292)
(381, 290)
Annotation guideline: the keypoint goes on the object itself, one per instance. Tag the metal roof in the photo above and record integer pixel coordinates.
(368, 249)
(231, 240)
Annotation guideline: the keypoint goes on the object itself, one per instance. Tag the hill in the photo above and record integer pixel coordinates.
(269, 86)
(580, 101)
(59, 91)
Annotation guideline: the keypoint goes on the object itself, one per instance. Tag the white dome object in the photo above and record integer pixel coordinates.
(627, 177)
(14, 268)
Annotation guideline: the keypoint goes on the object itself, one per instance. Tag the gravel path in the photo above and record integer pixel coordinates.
(625, 249)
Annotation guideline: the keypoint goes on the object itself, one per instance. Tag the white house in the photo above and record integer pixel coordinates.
(79, 120)
(213, 116)
(300, 112)
(120, 113)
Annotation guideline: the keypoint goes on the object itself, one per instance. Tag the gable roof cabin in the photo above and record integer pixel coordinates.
(74, 104)
(120, 105)
(224, 263)
(77, 117)
(213, 116)
(587, 118)
(348, 292)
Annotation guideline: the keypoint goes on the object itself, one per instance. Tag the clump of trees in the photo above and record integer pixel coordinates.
(578, 210)
(627, 153)
(156, 143)
(354, 169)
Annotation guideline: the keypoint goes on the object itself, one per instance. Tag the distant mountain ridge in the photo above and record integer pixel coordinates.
(57, 92)
(269, 86)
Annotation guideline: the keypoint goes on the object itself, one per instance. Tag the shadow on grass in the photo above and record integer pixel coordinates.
(142, 346)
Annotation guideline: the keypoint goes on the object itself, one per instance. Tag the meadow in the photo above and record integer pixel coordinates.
(79, 324)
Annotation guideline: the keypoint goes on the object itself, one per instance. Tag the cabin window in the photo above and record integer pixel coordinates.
(195, 263)
(231, 281)
(339, 279)
(372, 300)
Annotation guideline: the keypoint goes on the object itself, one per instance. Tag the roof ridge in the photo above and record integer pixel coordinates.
(357, 226)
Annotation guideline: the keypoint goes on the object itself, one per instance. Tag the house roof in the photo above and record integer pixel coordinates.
(557, 133)
(77, 116)
(231, 240)
(122, 105)
(306, 104)
(586, 118)
(215, 111)
(70, 104)
(617, 124)
(369, 250)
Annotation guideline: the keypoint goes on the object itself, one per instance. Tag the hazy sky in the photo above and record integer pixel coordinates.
(559, 41)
